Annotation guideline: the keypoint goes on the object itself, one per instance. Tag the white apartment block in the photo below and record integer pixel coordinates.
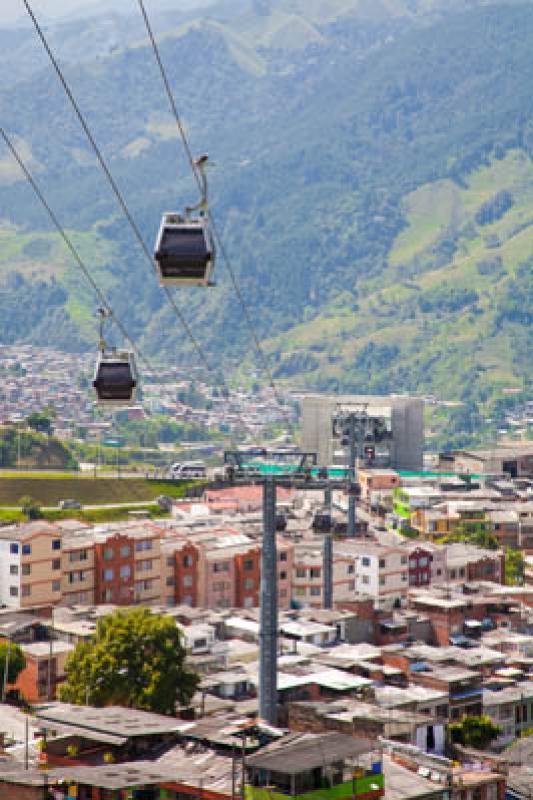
(381, 572)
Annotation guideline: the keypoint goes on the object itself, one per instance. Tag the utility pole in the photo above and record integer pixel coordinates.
(268, 665)
(6, 669)
(327, 570)
(49, 679)
(353, 475)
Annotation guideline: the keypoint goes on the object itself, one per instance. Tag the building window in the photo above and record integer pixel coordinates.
(351, 569)
(221, 566)
(26, 591)
(26, 569)
(170, 561)
(382, 563)
(125, 571)
(14, 591)
(13, 548)
(56, 586)
(26, 549)
(125, 551)
(404, 576)
(248, 602)
(366, 579)
(248, 564)
(249, 583)
(109, 554)
(143, 544)
(315, 591)
(108, 574)
(365, 561)
(187, 561)
(351, 586)
(423, 562)
(107, 595)
(170, 580)
(404, 559)
(56, 563)
(13, 569)
(187, 581)
(299, 592)
(283, 556)
(56, 544)
(314, 573)
(382, 580)
(283, 576)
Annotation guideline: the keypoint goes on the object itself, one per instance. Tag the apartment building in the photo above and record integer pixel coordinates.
(78, 566)
(30, 565)
(220, 569)
(308, 576)
(381, 571)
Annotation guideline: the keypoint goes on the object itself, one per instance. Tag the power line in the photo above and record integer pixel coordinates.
(262, 356)
(201, 354)
(68, 242)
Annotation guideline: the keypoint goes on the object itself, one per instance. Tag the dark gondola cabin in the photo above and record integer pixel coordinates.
(115, 379)
(184, 251)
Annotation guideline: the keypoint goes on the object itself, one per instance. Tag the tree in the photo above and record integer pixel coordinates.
(514, 567)
(40, 422)
(17, 661)
(474, 731)
(135, 659)
(30, 507)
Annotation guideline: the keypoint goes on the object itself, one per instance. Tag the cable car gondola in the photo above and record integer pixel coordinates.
(115, 376)
(184, 249)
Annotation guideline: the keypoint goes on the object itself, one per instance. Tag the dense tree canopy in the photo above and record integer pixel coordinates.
(16, 660)
(474, 731)
(135, 659)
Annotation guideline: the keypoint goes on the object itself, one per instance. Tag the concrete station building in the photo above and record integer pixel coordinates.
(402, 448)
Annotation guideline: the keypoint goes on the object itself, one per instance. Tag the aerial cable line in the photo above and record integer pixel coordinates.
(196, 172)
(68, 242)
(200, 352)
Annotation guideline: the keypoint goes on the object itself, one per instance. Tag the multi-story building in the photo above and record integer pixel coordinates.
(381, 571)
(30, 565)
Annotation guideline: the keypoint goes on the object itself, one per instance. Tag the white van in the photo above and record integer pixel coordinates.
(189, 469)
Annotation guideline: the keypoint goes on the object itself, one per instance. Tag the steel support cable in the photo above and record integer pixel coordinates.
(69, 244)
(203, 358)
(263, 359)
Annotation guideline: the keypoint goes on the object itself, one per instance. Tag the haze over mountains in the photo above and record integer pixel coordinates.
(373, 182)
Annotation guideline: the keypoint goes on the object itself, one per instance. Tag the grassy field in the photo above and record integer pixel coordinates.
(48, 490)
(93, 515)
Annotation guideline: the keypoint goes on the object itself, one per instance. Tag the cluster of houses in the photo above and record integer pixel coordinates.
(34, 378)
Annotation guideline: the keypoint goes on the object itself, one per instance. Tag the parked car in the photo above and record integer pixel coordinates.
(69, 503)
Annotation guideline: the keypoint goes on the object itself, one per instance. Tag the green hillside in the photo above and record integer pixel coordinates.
(451, 310)
(372, 182)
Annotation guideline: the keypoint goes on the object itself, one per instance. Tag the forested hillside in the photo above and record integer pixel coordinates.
(372, 182)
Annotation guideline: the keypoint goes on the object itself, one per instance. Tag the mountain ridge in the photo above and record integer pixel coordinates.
(328, 198)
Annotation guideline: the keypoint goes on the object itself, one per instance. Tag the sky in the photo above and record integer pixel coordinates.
(13, 10)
